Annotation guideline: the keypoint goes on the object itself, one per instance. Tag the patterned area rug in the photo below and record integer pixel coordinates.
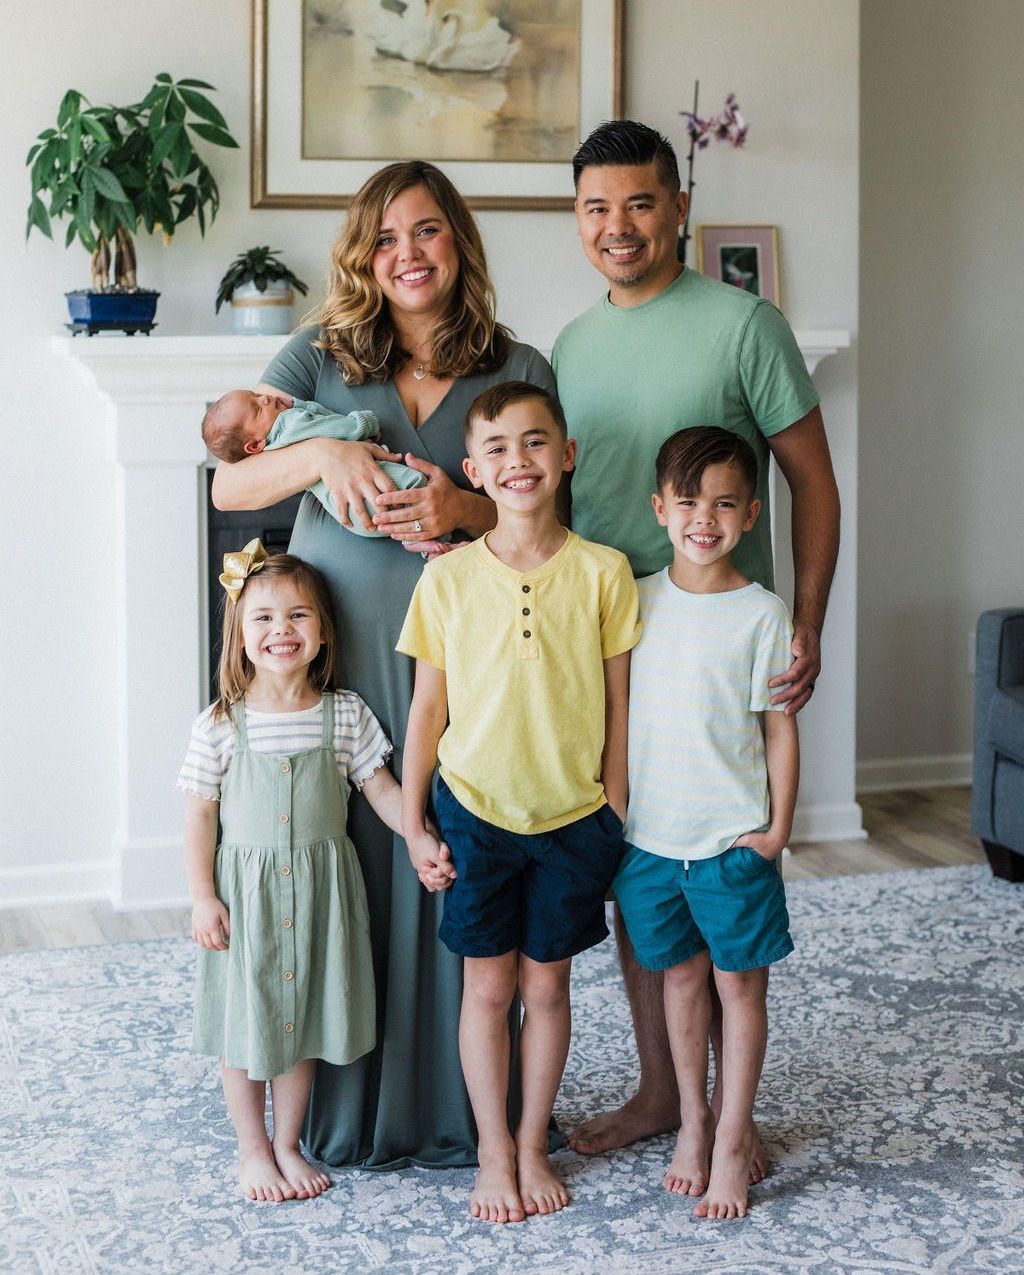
(891, 1106)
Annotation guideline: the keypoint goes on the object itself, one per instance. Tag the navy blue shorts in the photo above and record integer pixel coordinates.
(540, 893)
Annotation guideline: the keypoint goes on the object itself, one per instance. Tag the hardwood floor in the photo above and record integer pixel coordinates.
(920, 828)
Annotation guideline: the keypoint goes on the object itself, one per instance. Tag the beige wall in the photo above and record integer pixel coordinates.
(941, 428)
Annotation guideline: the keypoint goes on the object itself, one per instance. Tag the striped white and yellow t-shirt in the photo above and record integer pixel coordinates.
(698, 685)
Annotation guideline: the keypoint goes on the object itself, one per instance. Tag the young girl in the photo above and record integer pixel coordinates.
(284, 971)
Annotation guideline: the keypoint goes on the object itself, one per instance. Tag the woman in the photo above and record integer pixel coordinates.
(407, 332)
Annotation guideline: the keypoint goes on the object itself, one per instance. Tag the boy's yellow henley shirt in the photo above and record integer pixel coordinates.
(523, 655)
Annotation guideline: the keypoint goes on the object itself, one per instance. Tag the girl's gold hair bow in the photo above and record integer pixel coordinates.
(240, 565)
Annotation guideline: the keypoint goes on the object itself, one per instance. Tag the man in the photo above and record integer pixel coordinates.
(667, 349)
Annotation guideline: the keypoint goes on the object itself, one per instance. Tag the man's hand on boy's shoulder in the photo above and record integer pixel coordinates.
(431, 859)
(796, 686)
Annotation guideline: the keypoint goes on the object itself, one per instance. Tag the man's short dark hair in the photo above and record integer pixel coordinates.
(627, 142)
(490, 404)
(684, 457)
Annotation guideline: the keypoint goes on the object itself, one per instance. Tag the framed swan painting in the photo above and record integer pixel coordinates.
(498, 93)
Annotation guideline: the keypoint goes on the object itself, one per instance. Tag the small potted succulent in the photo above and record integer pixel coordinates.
(108, 169)
(260, 289)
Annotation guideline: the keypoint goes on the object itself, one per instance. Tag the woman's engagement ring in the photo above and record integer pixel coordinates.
(417, 526)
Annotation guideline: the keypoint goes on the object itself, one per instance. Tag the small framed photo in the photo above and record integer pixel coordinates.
(745, 256)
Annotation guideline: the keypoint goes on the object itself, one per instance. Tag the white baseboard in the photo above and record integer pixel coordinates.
(829, 821)
(887, 773)
(39, 885)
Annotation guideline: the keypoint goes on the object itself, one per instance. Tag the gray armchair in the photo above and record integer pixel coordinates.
(997, 803)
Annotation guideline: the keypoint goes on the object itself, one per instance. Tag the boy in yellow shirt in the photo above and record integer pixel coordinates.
(522, 644)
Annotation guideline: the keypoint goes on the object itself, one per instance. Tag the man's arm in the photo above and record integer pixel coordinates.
(801, 453)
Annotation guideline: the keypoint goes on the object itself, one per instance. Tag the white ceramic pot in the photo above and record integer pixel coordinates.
(269, 313)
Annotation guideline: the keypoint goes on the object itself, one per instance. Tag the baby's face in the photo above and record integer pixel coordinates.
(255, 413)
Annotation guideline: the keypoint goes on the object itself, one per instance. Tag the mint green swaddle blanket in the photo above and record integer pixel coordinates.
(305, 420)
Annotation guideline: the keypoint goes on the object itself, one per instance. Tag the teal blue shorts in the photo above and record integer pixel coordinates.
(733, 906)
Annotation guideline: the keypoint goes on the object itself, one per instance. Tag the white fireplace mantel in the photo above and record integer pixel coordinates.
(155, 390)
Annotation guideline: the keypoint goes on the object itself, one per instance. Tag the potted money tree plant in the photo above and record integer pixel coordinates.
(109, 170)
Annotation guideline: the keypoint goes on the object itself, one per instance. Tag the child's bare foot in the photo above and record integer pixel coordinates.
(495, 1197)
(305, 1180)
(261, 1178)
(730, 1170)
(758, 1160)
(540, 1188)
(758, 1157)
(691, 1162)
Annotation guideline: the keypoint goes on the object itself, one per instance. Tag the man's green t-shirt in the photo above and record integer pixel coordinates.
(699, 353)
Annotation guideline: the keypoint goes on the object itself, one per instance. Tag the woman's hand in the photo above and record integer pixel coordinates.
(211, 924)
(422, 513)
(352, 474)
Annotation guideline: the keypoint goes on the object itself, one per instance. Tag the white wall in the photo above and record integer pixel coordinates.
(942, 443)
(794, 66)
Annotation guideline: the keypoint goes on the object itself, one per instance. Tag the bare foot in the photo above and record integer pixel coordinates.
(759, 1157)
(306, 1181)
(633, 1121)
(260, 1177)
(691, 1163)
(759, 1160)
(495, 1197)
(730, 1168)
(540, 1188)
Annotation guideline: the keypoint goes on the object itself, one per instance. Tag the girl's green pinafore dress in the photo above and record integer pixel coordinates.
(297, 979)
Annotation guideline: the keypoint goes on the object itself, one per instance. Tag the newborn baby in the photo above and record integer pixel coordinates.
(242, 424)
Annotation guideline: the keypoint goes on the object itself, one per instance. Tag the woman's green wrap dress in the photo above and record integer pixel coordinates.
(404, 1103)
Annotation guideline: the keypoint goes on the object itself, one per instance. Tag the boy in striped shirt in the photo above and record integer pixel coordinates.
(713, 778)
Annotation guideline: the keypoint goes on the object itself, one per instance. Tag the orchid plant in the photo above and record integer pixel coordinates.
(727, 126)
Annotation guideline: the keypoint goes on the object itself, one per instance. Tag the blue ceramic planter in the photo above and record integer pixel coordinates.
(109, 311)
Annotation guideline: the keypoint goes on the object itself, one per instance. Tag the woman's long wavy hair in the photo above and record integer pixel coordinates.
(355, 321)
(236, 671)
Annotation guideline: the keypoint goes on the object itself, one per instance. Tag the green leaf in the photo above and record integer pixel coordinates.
(202, 107)
(181, 156)
(107, 184)
(71, 233)
(125, 214)
(166, 141)
(37, 217)
(87, 199)
(164, 78)
(211, 133)
(33, 152)
(176, 108)
(69, 107)
(93, 126)
(75, 142)
(196, 84)
(84, 228)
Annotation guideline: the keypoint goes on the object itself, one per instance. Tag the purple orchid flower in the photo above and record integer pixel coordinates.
(727, 126)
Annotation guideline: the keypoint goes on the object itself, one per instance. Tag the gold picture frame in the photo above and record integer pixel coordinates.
(284, 175)
(745, 256)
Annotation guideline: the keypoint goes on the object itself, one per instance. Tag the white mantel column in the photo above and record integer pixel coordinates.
(154, 391)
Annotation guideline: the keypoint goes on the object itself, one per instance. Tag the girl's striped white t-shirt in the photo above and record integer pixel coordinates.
(360, 745)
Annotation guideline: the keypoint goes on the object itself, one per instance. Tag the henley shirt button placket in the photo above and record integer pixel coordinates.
(527, 627)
